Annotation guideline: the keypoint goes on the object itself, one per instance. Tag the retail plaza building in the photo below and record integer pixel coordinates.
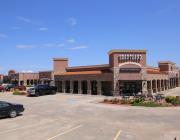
(126, 73)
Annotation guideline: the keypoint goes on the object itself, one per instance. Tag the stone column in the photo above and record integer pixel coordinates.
(63, 86)
(71, 86)
(156, 85)
(19, 82)
(79, 87)
(166, 85)
(160, 86)
(25, 82)
(115, 81)
(89, 87)
(169, 84)
(144, 87)
(99, 85)
(151, 86)
(174, 82)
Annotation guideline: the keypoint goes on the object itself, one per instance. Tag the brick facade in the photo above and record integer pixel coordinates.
(126, 73)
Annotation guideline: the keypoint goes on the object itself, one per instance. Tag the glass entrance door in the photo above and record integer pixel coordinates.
(129, 88)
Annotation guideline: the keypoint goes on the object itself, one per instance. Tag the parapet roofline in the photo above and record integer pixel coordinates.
(127, 51)
(89, 66)
(166, 62)
(27, 73)
(60, 59)
(46, 71)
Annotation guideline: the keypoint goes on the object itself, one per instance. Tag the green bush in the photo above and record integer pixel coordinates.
(170, 99)
(137, 101)
(151, 104)
(175, 102)
(16, 92)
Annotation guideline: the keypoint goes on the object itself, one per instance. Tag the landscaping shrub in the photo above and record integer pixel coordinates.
(170, 99)
(17, 92)
(137, 101)
(173, 100)
(150, 104)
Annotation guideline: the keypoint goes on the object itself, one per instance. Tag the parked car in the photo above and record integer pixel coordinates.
(1, 88)
(42, 90)
(10, 110)
(4, 85)
(9, 87)
(20, 87)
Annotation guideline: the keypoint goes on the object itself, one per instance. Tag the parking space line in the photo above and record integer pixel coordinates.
(25, 127)
(117, 135)
(65, 132)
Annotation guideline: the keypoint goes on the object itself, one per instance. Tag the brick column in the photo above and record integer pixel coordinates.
(79, 87)
(99, 85)
(89, 87)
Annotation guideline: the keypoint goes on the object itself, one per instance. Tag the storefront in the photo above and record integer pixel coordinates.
(127, 73)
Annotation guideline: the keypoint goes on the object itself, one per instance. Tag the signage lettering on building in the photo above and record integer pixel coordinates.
(130, 58)
(130, 70)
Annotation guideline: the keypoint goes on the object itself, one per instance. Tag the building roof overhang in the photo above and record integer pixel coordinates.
(88, 68)
(126, 51)
(81, 73)
(166, 62)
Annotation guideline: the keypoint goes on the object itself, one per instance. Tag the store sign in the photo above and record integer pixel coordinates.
(129, 57)
(130, 70)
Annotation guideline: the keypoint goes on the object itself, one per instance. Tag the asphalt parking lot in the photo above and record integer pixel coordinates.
(81, 117)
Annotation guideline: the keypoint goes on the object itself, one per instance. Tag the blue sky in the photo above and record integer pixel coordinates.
(32, 32)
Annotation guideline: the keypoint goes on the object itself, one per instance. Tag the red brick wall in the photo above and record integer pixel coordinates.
(46, 74)
(114, 62)
(60, 65)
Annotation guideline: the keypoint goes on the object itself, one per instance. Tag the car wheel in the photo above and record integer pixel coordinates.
(37, 94)
(13, 114)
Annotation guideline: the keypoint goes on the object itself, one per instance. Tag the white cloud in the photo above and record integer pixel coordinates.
(43, 29)
(47, 45)
(3, 35)
(24, 19)
(72, 21)
(79, 47)
(24, 46)
(72, 40)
